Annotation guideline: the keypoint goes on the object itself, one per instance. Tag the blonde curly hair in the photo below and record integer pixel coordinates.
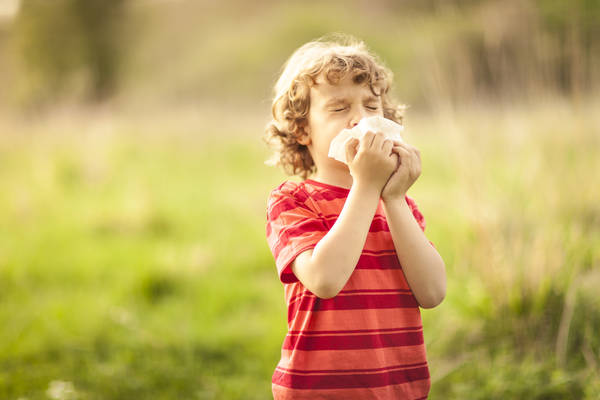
(334, 57)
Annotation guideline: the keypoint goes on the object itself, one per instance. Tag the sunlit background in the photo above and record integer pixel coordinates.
(133, 255)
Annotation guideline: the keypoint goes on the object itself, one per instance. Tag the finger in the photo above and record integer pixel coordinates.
(417, 170)
(409, 161)
(396, 159)
(366, 140)
(401, 151)
(351, 149)
(416, 163)
(401, 148)
(404, 156)
(378, 140)
(415, 160)
(387, 146)
(414, 151)
(404, 145)
(411, 148)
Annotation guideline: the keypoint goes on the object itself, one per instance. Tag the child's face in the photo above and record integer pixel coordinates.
(333, 108)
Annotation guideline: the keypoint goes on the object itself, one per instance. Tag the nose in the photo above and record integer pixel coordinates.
(358, 114)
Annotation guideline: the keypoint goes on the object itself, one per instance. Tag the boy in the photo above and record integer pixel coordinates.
(348, 243)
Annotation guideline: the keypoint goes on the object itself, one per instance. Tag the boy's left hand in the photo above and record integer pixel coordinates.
(407, 172)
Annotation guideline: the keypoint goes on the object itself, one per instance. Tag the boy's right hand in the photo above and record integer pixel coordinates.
(371, 160)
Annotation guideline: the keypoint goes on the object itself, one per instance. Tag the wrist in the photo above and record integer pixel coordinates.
(392, 197)
(366, 190)
(396, 206)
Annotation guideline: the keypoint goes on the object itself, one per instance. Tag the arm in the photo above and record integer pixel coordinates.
(423, 267)
(325, 269)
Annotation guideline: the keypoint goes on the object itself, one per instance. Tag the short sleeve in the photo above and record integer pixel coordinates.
(417, 214)
(292, 227)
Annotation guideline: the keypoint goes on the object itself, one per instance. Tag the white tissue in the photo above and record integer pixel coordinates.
(390, 129)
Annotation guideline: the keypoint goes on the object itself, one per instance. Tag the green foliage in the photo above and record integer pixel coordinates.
(137, 266)
(561, 16)
(440, 50)
(66, 46)
(133, 262)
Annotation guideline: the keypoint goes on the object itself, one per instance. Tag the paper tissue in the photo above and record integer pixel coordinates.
(391, 130)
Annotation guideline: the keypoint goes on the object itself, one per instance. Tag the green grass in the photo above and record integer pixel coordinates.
(135, 265)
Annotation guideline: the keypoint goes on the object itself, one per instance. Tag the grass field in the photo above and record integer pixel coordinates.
(134, 263)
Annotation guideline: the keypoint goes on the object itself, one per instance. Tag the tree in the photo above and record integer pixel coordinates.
(68, 46)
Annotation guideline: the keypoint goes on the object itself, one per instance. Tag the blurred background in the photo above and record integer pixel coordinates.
(133, 255)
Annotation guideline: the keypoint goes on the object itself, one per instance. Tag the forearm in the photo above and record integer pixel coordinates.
(337, 253)
(422, 265)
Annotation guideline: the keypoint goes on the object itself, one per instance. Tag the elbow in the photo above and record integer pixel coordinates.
(435, 292)
(431, 303)
(433, 299)
(325, 286)
(321, 285)
(326, 291)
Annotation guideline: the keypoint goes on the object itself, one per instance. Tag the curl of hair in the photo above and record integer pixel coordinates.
(333, 57)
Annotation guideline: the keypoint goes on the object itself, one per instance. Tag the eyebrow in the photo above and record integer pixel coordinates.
(339, 100)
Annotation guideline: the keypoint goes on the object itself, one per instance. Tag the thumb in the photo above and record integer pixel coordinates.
(351, 149)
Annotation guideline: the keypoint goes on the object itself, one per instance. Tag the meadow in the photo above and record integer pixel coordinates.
(134, 263)
(133, 192)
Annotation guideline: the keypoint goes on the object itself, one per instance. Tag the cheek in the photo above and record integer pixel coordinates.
(320, 125)
(314, 120)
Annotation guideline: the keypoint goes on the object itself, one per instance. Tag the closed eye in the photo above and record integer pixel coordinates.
(372, 108)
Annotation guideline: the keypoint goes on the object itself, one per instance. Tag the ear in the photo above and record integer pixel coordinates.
(304, 136)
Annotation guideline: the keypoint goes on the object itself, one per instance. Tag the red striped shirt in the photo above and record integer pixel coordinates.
(366, 342)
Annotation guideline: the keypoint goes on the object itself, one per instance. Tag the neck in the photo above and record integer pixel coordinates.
(336, 178)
